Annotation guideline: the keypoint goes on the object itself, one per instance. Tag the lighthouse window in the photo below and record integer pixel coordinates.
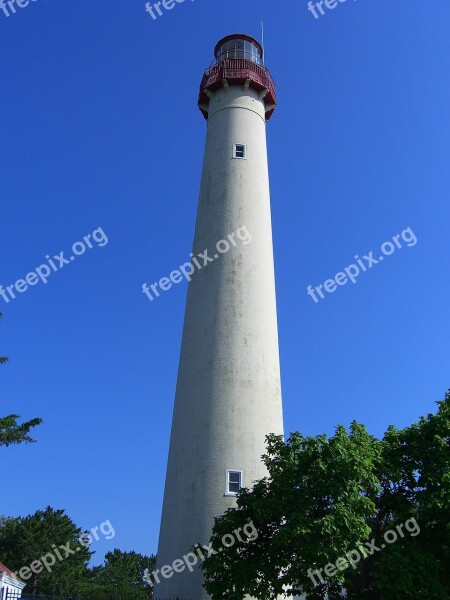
(240, 151)
(234, 482)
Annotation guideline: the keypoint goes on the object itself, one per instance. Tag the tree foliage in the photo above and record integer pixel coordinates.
(122, 575)
(41, 536)
(324, 498)
(24, 540)
(12, 432)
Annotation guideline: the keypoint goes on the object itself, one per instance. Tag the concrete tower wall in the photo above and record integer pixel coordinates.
(228, 394)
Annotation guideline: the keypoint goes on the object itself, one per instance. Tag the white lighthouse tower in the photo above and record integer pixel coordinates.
(228, 394)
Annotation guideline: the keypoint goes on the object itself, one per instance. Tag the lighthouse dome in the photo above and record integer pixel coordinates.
(239, 45)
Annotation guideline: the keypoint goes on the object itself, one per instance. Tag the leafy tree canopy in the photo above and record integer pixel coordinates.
(47, 533)
(122, 575)
(51, 538)
(12, 432)
(326, 498)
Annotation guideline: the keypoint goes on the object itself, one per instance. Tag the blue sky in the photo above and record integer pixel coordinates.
(100, 128)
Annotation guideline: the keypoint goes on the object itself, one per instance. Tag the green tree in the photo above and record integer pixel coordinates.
(122, 575)
(12, 432)
(415, 479)
(50, 534)
(324, 498)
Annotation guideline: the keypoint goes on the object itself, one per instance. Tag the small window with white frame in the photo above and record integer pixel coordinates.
(239, 151)
(234, 482)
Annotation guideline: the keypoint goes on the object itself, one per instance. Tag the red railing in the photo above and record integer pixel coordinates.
(239, 69)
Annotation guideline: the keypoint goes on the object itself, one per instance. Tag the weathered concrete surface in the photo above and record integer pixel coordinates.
(228, 394)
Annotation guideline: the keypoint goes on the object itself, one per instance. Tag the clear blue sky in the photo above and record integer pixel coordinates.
(100, 128)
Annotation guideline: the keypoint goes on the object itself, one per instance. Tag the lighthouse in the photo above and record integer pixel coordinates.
(228, 395)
